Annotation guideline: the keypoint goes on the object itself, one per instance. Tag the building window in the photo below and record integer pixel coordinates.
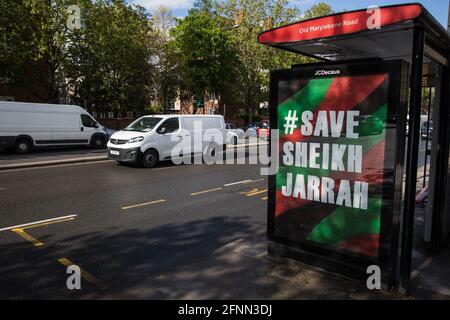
(7, 98)
(6, 77)
(110, 115)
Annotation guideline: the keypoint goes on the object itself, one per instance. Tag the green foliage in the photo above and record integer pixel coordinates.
(109, 64)
(318, 10)
(204, 53)
(106, 60)
(164, 79)
(247, 19)
(123, 59)
(35, 31)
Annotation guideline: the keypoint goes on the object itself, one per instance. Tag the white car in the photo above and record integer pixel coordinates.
(234, 134)
(150, 139)
(27, 125)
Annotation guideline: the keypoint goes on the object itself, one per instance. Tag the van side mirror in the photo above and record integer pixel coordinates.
(162, 130)
(96, 125)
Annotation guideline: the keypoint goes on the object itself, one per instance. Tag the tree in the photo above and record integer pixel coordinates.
(318, 10)
(37, 35)
(165, 81)
(110, 63)
(247, 19)
(204, 52)
(106, 59)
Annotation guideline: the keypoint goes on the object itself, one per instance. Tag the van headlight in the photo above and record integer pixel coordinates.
(137, 139)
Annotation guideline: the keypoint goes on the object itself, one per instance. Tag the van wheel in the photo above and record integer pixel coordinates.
(150, 158)
(210, 154)
(235, 141)
(98, 142)
(22, 146)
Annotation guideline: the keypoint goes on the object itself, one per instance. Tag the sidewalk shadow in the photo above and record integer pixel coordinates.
(120, 259)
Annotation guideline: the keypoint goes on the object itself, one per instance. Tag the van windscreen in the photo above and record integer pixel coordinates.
(143, 124)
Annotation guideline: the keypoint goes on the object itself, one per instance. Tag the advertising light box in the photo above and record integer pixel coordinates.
(336, 194)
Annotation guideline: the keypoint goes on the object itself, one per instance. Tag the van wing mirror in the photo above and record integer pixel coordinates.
(96, 125)
(162, 130)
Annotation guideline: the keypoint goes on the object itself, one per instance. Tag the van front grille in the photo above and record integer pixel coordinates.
(117, 141)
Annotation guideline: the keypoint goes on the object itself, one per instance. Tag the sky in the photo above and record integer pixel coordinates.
(438, 8)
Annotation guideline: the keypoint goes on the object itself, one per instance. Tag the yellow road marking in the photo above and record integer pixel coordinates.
(21, 231)
(265, 198)
(205, 191)
(26, 236)
(247, 192)
(250, 194)
(84, 274)
(143, 204)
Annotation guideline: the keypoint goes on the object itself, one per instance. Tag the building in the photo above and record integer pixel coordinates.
(29, 86)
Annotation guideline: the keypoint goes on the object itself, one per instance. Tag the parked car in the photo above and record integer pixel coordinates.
(234, 134)
(150, 139)
(110, 132)
(370, 125)
(263, 131)
(426, 130)
(24, 126)
(257, 129)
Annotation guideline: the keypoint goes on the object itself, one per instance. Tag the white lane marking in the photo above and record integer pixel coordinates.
(143, 204)
(162, 168)
(235, 183)
(37, 222)
(205, 191)
(2, 189)
(250, 145)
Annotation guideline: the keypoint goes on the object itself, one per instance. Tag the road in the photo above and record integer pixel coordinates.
(118, 223)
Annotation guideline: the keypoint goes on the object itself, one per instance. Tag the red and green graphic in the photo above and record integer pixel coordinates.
(347, 225)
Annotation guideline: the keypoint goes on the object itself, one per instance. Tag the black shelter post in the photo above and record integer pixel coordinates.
(440, 215)
(427, 140)
(412, 159)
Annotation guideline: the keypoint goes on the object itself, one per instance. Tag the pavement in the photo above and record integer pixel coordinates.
(49, 156)
(241, 270)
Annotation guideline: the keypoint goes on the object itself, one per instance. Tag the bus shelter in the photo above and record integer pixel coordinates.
(357, 129)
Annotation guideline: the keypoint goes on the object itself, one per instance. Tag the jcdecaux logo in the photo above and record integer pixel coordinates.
(328, 72)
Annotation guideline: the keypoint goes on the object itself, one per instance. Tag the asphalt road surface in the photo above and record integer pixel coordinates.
(118, 223)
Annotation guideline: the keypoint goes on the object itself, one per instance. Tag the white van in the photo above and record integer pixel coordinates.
(150, 139)
(27, 125)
